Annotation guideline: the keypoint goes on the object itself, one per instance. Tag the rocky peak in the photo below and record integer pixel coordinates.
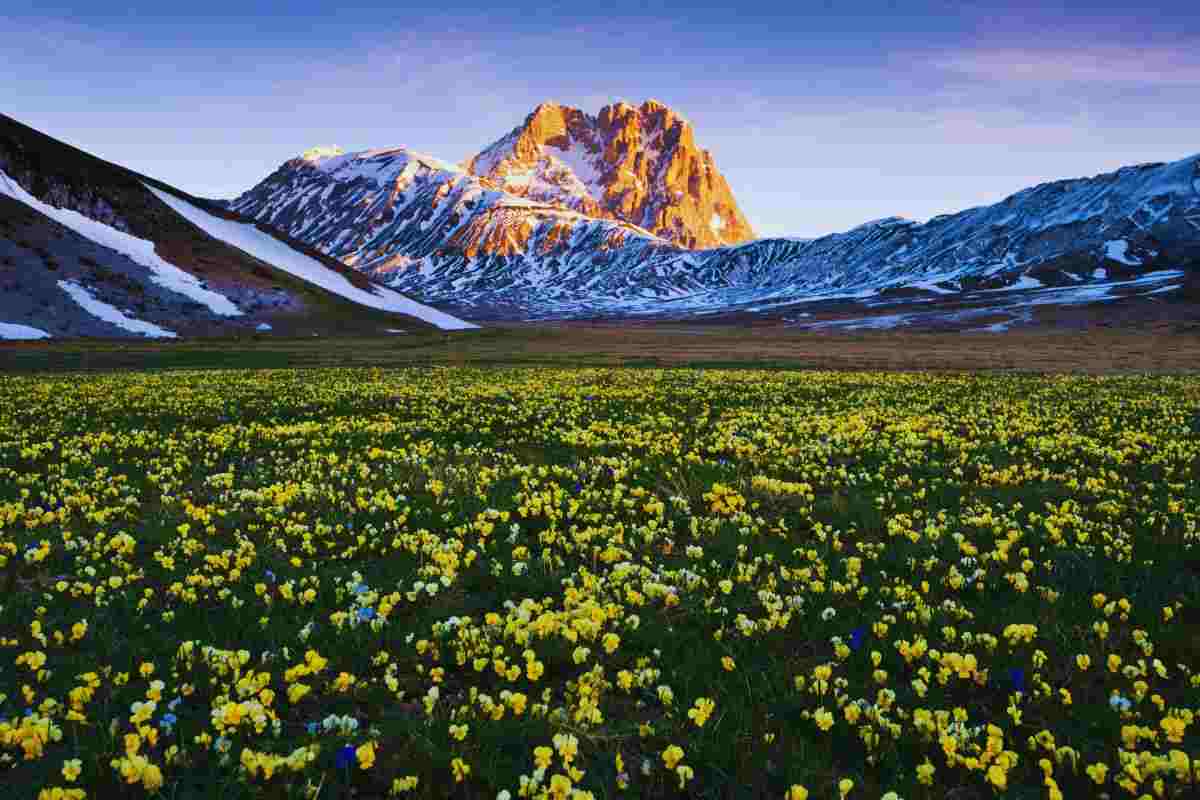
(637, 164)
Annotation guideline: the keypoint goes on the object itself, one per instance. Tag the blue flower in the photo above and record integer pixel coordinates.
(856, 638)
(1017, 676)
(312, 728)
(174, 704)
(361, 588)
(345, 756)
(168, 721)
(270, 576)
(366, 614)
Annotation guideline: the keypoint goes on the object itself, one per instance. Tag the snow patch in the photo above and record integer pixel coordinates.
(931, 286)
(716, 223)
(164, 274)
(102, 310)
(246, 237)
(11, 331)
(262, 326)
(1116, 249)
(518, 178)
(581, 166)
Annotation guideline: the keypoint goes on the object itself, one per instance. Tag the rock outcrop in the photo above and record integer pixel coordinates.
(636, 164)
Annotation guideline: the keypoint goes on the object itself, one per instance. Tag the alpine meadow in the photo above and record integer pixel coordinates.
(457, 582)
(495, 400)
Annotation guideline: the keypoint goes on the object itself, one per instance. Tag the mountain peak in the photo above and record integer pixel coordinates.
(637, 164)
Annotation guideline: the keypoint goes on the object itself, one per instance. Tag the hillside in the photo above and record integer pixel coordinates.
(89, 248)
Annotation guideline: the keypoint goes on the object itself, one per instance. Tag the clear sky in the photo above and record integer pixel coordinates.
(820, 115)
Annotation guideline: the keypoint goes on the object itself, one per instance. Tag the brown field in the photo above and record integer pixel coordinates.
(1161, 349)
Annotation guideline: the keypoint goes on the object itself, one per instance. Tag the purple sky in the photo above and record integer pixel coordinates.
(820, 117)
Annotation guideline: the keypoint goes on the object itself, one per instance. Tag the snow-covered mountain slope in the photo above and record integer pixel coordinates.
(394, 211)
(139, 250)
(639, 164)
(88, 248)
(246, 237)
(444, 236)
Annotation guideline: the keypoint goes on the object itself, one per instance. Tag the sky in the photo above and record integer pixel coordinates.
(820, 115)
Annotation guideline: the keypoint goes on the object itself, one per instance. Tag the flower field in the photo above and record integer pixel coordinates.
(504, 583)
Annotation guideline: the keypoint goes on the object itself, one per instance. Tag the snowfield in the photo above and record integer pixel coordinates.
(250, 239)
(10, 331)
(141, 251)
(101, 310)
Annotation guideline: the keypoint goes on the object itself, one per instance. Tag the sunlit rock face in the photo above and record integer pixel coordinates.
(638, 164)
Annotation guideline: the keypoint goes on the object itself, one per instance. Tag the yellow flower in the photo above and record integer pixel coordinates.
(925, 773)
(542, 756)
(71, 769)
(796, 792)
(152, 778)
(567, 746)
(672, 756)
(405, 784)
(1174, 728)
(146, 669)
(366, 755)
(702, 711)
(459, 732)
(728, 663)
(844, 787)
(823, 718)
(461, 770)
(1097, 772)
(560, 787)
(1083, 662)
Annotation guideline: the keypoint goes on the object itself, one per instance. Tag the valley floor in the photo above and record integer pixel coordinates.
(1158, 348)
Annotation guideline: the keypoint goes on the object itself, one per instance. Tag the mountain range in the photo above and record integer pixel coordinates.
(619, 215)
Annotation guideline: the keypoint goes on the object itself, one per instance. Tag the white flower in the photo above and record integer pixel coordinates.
(828, 614)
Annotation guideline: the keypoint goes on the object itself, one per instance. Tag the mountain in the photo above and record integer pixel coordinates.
(89, 248)
(638, 164)
(1118, 247)
(393, 211)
